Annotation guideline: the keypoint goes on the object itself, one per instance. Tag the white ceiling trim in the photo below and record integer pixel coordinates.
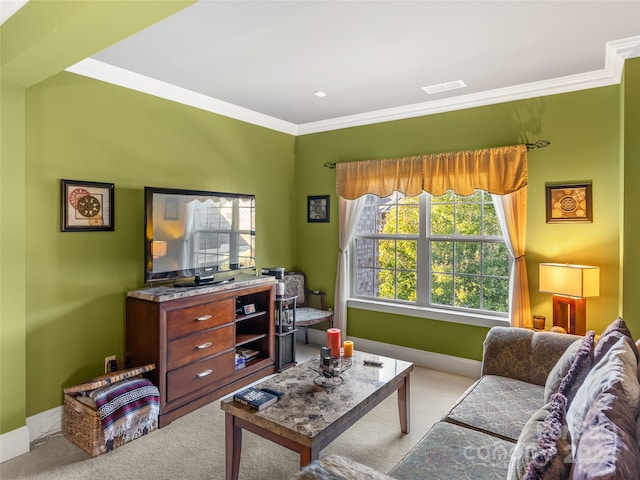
(141, 83)
(616, 53)
(9, 7)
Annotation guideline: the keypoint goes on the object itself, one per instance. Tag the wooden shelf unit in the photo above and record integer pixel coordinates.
(192, 341)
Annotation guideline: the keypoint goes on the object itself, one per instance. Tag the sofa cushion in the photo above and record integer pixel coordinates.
(546, 349)
(522, 354)
(543, 450)
(617, 366)
(498, 405)
(608, 447)
(571, 369)
(452, 452)
(614, 332)
(335, 467)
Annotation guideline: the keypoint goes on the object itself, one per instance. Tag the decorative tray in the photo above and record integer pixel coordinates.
(329, 370)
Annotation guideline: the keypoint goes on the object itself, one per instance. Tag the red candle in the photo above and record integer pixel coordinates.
(333, 341)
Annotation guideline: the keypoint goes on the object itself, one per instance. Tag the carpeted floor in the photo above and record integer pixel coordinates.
(192, 447)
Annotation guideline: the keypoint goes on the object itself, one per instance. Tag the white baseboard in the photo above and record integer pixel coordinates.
(17, 442)
(14, 443)
(421, 358)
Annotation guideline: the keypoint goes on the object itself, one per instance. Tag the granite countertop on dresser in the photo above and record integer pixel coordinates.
(163, 294)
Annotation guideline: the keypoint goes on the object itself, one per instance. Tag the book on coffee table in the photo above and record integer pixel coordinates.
(254, 398)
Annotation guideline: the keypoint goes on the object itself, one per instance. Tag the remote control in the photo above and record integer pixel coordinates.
(277, 393)
(373, 363)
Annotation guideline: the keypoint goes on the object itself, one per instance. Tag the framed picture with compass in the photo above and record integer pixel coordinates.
(569, 202)
(86, 206)
(318, 209)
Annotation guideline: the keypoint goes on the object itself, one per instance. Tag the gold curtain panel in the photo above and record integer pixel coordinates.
(499, 170)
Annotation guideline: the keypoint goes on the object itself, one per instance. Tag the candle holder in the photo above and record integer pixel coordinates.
(329, 369)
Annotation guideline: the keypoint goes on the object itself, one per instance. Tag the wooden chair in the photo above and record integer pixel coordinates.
(295, 283)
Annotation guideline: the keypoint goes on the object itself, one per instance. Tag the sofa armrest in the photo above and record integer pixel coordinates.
(523, 354)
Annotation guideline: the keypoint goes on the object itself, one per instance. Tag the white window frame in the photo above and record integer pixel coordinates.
(428, 311)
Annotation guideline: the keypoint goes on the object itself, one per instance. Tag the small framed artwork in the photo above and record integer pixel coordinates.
(86, 206)
(249, 309)
(568, 203)
(171, 209)
(318, 209)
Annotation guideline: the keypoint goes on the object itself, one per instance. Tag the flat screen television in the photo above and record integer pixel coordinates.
(196, 234)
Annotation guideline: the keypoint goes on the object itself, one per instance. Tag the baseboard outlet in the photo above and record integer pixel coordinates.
(435, 361)
(18, 442)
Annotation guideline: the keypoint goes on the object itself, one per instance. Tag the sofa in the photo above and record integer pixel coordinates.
(547, 406)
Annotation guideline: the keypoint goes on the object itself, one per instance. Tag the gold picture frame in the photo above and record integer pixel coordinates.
(569, 203)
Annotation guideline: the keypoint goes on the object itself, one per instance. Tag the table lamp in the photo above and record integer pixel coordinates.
(570, 285)
(158, 248)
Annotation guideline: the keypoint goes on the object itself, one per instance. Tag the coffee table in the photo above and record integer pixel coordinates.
(315, 410)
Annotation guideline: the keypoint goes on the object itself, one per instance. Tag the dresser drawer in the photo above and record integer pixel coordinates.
(197, 375)
(189, 349)
(199, 317)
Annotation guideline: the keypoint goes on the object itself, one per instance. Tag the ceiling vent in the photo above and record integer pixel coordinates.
(443, 87)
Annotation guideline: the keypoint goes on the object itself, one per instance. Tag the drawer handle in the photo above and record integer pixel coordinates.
(203, 318)
(204, 345)
(205, 373)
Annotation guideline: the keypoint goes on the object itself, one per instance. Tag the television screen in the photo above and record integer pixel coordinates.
(190, 233)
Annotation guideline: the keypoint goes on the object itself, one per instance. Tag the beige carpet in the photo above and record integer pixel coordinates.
(192, 447)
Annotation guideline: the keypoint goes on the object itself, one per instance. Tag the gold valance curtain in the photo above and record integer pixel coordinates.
(499, 170)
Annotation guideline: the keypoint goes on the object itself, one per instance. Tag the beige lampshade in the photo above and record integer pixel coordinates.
(158, 248)
(571, 280)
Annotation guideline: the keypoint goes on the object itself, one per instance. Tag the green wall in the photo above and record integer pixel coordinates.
(40, 40)
(62, 294)
(583, 128)
(83, 129)
(631, 145)
(12, 260)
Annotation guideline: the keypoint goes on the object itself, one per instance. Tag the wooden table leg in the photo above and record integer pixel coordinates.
(403, 405)
(233, 447)
(308, 455)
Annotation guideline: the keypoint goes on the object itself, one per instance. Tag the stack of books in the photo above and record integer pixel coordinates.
(247, 353)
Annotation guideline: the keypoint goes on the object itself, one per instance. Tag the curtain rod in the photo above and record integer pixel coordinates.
(539, 145)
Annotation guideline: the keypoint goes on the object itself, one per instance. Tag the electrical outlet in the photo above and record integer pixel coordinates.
(107, 366)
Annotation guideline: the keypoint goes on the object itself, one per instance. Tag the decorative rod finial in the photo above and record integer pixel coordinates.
(540, 144)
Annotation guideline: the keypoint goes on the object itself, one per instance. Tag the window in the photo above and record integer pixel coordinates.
(445, 252)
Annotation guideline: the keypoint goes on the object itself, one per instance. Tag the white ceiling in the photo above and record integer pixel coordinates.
(261, 61)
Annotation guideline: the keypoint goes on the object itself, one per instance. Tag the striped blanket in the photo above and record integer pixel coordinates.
(128, 408)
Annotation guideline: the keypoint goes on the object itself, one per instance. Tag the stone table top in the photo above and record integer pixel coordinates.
(312, 402)
(163, 294)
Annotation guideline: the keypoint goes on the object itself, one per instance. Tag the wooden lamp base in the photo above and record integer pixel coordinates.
(570, 313)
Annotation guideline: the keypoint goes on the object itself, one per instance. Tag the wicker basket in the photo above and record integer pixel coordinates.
(81, 422)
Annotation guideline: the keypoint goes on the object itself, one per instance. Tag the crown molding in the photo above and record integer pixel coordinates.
(616, 53)
(9, 7)
(141, 83)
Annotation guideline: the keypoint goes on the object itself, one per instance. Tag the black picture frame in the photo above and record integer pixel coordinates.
(569, 202)
(171, 209)
(318, 209)
(86, 206)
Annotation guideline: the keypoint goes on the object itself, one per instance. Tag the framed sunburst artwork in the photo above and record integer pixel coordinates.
(318, 209)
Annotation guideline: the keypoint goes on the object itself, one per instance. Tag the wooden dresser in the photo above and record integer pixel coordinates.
(191, 334)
